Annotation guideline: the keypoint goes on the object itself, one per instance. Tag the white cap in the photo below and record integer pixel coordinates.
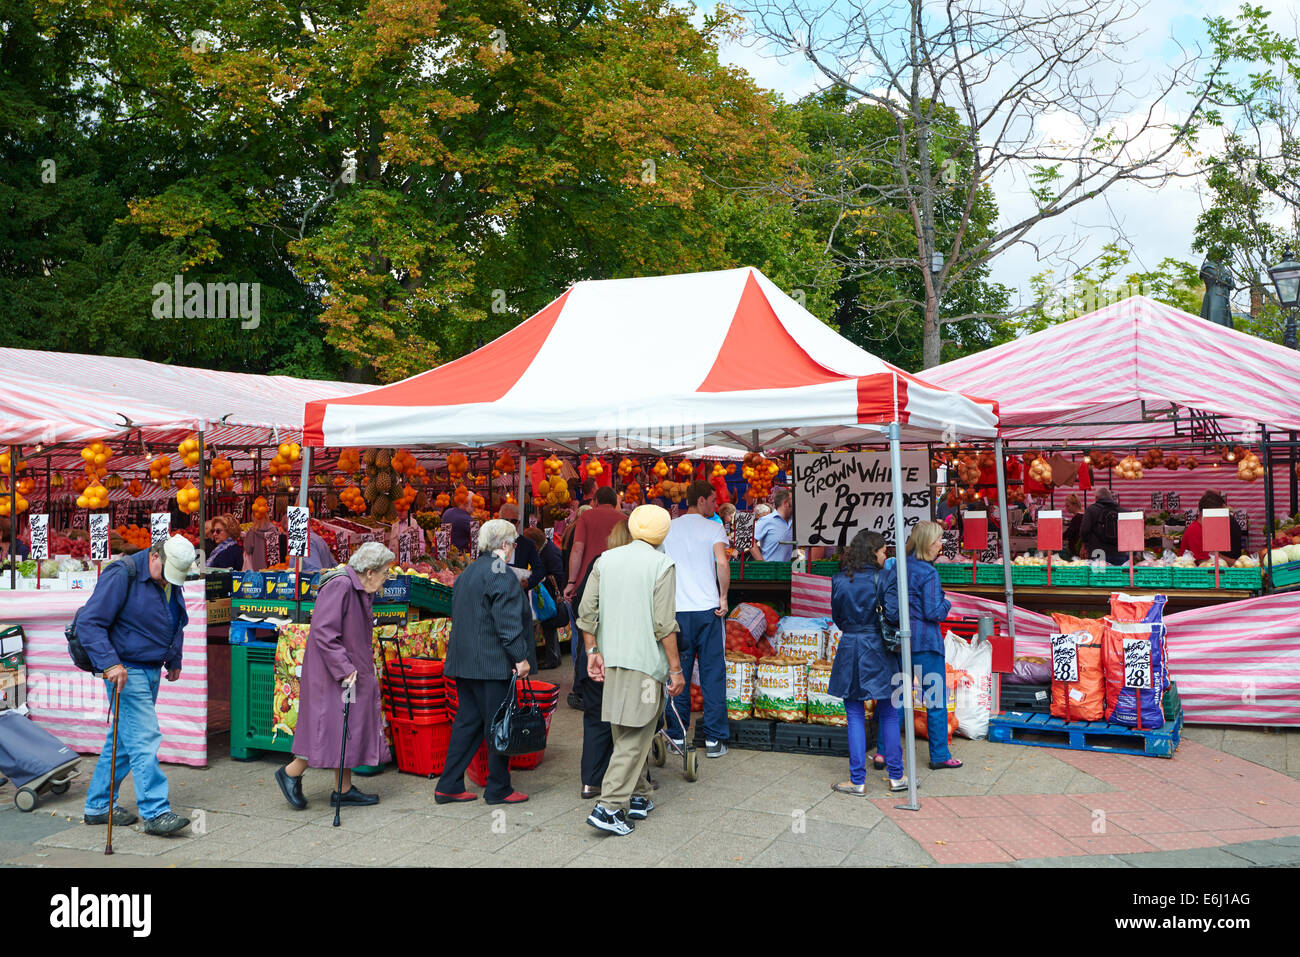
(178, 555)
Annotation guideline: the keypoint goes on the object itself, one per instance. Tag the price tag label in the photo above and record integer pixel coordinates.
(40, 529)
(1065, 658)
(297, 521)
(99, 536)
(473, 539)
(1050, 531)
(743, 536)
(160, 526)
(975, 531)
(442, 542)
(550, 535)
(1137, 663)
(1216, 535)
(1132, 532)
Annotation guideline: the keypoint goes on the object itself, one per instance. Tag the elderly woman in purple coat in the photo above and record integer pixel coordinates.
(339, 658)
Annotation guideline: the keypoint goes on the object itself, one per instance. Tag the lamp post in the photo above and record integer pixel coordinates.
(1286, 283)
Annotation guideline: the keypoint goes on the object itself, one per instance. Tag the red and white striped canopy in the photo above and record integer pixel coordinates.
(1135, 360)
(237, 408)
(713, 358)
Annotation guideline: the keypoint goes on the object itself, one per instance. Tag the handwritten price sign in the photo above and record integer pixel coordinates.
(1137, 663)
(99, 536)
(40, 526)
(1065, 658)
(160, 526)
(297, 521)
(743, 537)
(839, 494)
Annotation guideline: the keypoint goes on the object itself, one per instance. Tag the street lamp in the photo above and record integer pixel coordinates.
(1286, 282)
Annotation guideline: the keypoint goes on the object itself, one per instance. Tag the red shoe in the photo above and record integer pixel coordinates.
(514, 797)
(441, 798)
(950, 763)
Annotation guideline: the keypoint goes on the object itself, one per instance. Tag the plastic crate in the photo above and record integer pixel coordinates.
(735, 571)
(252, 700)
(764, 571)
(814, 739)
(1193, 577)
(1072, 576)
(953, 573)
(1149, 577)
(1035, 698)
(1251, 578)
(1108, 577)
(420, 748)
(823, 567)
(1029, 574)
(1287, 574)
(753, 734)
(430, 595)
(988, 573)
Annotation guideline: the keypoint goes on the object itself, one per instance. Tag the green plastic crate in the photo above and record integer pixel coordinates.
(1251, 578)
(1287, 574)
(431, 595)
(953, 573)
(988, 573)
(252, 700)
(735, 570)
(1150, 577)
(1071, 576)
(829, 568)
(1193, 577)
(767, 571)
(1108, 577)
(1029, 574)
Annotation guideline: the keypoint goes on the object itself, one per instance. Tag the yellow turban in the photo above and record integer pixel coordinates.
(649, 523)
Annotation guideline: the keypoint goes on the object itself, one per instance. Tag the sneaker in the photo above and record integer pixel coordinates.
(715, 749)
(121, 817)
(353, 797)
(166, 824)
(291, 788)
(678, 743)
(641, 808)
(615, 822)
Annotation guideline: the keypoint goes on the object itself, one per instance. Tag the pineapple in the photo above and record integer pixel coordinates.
(384, 482)
(369, 456)
(383, 458)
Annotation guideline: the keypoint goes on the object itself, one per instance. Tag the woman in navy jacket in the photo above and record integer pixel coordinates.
(863, 670)
(928, 608)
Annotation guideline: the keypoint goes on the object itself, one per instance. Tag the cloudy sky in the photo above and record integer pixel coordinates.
(1155, 222)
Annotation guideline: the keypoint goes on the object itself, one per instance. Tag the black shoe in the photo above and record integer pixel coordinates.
(353, 798)
(590, 793)
(575, 702)
(641, 808)
(291, 788)
(615, 822)
(549, 664)
(121, 817)
(166, 824)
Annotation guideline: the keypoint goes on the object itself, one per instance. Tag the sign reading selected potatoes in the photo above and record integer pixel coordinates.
(838, 494)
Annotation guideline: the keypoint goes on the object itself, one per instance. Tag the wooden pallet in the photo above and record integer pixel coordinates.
(1046, 731)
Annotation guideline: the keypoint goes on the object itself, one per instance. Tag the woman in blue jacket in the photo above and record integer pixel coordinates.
(928, 608)
(863, 670)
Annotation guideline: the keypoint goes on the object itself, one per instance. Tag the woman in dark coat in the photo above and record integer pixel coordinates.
(491, 636)
(863, 670)
(339, 665)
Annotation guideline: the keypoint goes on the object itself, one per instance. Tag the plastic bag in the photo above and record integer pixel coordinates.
(751, 617)
(1085, 699)
(1029, 670)
(920, 712)
(974, 695)
(1135, 707)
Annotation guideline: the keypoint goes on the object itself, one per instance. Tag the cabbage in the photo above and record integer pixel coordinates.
(50, 568)
(1292, 553)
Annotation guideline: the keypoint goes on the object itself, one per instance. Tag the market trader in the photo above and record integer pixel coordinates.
(132, 627)
(1099, 529)
(774, 533)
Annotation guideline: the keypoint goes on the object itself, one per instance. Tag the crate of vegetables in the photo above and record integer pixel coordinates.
(1068, 575)
(1190, 576)
(1025, 574)
(829, 568)
(1245, 577)
(992, 573)
(1153, 576)
(954, 573)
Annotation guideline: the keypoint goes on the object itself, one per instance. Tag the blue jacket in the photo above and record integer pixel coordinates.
(129, 622)
(926, 603)
(863, 670)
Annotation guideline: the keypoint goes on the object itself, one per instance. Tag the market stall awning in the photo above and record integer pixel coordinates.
(1138, 363)
(238, 408)
(714, 358)
(36, 410)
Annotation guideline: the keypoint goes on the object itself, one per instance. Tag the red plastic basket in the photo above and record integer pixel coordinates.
(547, 696)
(420, 748)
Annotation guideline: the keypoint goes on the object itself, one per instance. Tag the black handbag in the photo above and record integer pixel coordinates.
(889, 634)
(518, 728)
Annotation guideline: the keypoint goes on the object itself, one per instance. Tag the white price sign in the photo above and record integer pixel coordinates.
(99, 536)
(297, 521)
(473, 538)
(838, 494)
(1065, 658)
(40, 528)
(160, 526)
(742, 536)
(1137, 663)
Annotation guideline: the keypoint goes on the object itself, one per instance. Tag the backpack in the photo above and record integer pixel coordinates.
(1108, 526)
(77, 651)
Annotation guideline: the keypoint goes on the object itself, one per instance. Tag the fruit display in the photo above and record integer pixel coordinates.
(160, 470)
(1153, 459)
(1040, 470)
(95, 496)
(260, 508)
(443, 501)
(190, 451)
(1249, 468)
(187, 499)
(352, 498)
(223, 471)
(1102, 460)
(404, 502)
(968, 469)
(25, 486)
(135, 535)
(286, 455)
(685, 470)
(8, 503)
(632, 494)
(595, 468)
(429, 521)
(660, 470)
(758, 472)
(627, 468)
(1129, 468)
(18, 464)
(505, 463)
(349, 460)
(552, 491)
(457, 465)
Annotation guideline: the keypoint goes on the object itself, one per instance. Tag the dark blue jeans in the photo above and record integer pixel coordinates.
(701, 639)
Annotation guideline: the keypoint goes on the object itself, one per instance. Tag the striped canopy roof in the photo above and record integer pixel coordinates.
(1135, 360)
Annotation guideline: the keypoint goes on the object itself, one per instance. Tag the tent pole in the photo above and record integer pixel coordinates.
(904, 617)
(1268, 500)
(521, 502)
(203, 498)
(1006, 539)
(13, 517)
(1294, 478)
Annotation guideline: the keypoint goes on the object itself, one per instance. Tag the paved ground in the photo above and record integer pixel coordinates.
(1227, 799)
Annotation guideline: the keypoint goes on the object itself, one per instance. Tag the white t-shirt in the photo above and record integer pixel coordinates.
(690, 544)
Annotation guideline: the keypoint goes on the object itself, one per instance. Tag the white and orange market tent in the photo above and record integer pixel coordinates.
(1136, 369)
(714, 358)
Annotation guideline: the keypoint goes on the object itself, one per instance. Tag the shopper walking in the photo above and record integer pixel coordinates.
(133, 628)
(491, 636)
(337, 668)
(927, 609)
(864, 669)
(698, 547)
(630, 632)
(597, 738)
(553, 582)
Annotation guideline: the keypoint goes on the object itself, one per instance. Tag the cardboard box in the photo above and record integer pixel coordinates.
(219, 584)
(259, 585)
(219, 611)
(264, 607)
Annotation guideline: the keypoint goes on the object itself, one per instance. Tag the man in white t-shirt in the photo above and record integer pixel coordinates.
(698, 547)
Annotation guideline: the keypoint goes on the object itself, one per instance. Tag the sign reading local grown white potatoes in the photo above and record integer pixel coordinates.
(838, 494)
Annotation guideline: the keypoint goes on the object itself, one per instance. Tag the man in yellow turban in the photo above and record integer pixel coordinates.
(628, 620)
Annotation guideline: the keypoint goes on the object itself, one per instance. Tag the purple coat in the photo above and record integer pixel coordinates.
(340, 642)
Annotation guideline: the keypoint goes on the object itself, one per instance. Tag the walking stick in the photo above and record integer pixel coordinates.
(112, 770)
(343, 748)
